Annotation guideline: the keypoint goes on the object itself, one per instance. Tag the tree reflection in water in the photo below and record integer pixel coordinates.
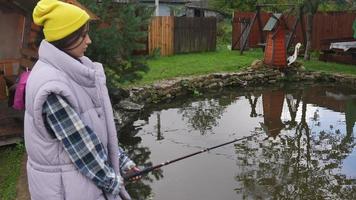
(252, 99)
(298, 164)
(139, 190)
(203, 115)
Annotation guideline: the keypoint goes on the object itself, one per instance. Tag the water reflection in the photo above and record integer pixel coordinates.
(301, 164)
(306, 149)
(252, 99)
(141, 155)
(272, 110)
(203, 115)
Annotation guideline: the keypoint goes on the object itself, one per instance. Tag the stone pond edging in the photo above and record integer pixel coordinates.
(170, 89)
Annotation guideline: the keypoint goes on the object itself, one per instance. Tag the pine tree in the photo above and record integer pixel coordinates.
(120, 32)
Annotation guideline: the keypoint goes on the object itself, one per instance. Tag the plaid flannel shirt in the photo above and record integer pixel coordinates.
(82, 144)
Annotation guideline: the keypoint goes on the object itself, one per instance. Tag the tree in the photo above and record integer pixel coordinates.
(230, 6)
(310, 8)
(121, 30)
(337, 5)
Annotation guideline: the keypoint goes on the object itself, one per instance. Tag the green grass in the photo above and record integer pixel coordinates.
(197, 64)
(222, 60)
(10, 165)
(328, 67)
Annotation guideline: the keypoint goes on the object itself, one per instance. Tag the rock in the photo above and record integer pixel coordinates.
(129, 106)
(117, 94)
(257, 64)
(122, 118)
(296, 64)
(212, 85)
(249, 77)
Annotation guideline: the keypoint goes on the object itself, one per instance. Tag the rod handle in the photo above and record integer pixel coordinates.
(146, 170)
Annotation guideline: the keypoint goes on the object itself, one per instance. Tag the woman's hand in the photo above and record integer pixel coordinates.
(132, 171)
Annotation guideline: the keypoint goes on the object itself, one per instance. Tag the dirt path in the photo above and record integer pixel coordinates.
(22, 192)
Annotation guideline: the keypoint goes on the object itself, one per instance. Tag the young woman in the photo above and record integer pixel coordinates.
(70, 135)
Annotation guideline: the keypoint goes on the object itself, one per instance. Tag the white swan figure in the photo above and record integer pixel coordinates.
(291, 59)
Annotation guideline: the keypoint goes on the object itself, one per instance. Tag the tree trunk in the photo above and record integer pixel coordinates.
(309, 32)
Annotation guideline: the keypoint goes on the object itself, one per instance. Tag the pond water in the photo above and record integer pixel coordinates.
(304, 147)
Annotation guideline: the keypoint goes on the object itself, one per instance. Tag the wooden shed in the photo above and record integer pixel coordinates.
(15, 23)
(276, 51)
(18, 51)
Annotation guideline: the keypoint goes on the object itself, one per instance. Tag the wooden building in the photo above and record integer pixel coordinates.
(18, 51)
(15, 23)
(18, 39)
(275, 50)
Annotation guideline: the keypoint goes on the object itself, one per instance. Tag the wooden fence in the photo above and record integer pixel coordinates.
(196, 34)
(160, 35)
(174, 35)
(327, 25)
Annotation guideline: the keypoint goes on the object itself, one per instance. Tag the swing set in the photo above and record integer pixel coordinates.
(247, 25)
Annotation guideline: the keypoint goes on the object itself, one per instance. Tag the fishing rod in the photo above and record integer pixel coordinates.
(149, 169)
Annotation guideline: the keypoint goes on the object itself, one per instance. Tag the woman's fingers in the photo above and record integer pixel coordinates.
(135, 170)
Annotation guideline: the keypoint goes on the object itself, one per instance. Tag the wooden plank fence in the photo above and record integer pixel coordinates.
(327, 25)
(160, 36)
(174, 35)
(195, 34)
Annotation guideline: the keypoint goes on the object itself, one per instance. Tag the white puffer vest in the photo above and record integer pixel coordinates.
(51, 174)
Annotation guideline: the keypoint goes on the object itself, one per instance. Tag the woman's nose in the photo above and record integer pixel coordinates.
(88, 40)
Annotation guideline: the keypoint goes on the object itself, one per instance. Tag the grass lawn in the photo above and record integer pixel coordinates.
(328, 67)
(161, 68)
(197, 64)
(222, 60)
(10, 165)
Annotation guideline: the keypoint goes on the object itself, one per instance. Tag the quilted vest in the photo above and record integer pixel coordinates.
(51, 174)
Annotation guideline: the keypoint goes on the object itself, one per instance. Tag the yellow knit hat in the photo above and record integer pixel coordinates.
(58, 19)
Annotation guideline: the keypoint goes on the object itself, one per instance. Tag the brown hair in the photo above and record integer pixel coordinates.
(64, 43)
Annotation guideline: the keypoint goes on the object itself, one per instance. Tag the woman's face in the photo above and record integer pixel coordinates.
(78, 48)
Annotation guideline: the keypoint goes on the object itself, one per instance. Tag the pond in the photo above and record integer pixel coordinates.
(304, 147)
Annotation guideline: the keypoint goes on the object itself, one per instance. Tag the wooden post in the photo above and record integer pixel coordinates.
(262, 38)
(27, 30)
(302, 25)
(289, 39)
(157, 7)
(3, 94)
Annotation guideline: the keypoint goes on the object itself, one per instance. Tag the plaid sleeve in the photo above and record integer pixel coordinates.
(125, 162)
(81, 143)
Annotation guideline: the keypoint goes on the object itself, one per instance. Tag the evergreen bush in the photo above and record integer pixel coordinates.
(118, 37)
